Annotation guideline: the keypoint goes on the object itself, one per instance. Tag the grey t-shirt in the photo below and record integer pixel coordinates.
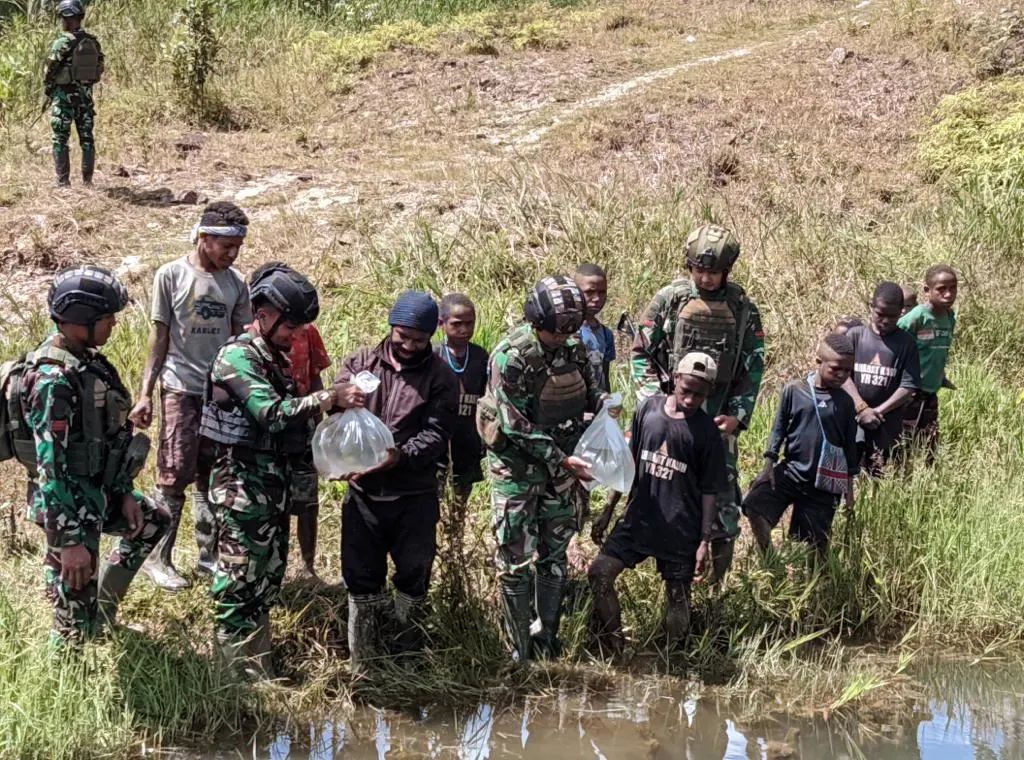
(200, 308)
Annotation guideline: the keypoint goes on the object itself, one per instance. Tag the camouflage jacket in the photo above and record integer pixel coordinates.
(249, 389)
(63, 503)
(57, 58)
(656, 336)
(520, 366)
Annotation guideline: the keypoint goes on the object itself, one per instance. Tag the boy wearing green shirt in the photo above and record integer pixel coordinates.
(932, 324)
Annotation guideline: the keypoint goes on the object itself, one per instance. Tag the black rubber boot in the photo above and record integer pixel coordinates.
(206, 532)
(62, 165)
(517, 595)
(88, 165)
(365, 623)
(158, 565)
(113, 584)
(550, 591)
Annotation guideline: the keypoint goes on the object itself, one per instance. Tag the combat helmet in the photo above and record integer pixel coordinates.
(83, 295)
(286, 290)
(70, 9)
(712, 247)
(555, 304)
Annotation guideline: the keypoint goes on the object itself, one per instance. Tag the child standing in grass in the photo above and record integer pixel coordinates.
(909, 299)
(817, 426)
(932, 324)
(308, 358)
(599, 341)
(469, 363)
(886, 376)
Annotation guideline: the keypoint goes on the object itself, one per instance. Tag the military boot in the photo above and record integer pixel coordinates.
(206, 532)
(261, 667)
(113, 585)
(88, 165)
(517, 595)
(365, 621)
(158, 565)
(550, 591)
(62, 165)
(410, 611)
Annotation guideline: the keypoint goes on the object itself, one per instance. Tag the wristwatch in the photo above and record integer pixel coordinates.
(862, 405)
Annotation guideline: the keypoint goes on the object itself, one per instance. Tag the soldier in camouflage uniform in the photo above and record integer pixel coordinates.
(82, 456)
(708, 313)
(258, 426)
(74, 64)
(531, 418)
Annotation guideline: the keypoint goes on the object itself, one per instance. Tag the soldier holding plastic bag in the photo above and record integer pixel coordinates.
(531, 419)
(392, 508)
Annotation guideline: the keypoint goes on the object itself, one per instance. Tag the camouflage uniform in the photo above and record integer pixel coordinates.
(71, 505)
(536, 400)
(726, 325)
(259, 427)
(70, 102)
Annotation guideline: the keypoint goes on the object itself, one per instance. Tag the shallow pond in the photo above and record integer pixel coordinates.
(960, 712)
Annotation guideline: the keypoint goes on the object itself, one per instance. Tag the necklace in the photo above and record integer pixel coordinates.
(452, 359)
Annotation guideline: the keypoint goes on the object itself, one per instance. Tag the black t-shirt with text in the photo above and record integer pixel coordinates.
(883, 364)
(466, 446)
(677, 461)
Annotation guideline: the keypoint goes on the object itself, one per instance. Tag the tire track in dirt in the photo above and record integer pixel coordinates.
(530, 140)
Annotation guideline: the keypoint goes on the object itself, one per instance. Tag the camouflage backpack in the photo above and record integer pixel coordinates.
(16, 440)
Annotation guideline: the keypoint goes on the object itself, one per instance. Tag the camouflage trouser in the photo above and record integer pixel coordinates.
(727, 524)
(72, 105)
(249, 491)
(533, 514)
(74, 612)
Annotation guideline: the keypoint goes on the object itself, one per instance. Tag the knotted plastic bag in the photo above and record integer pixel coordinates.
(607, 450)
(352, 442)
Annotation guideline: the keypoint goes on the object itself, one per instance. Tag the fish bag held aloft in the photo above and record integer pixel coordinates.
(352, 442)
(606, 448)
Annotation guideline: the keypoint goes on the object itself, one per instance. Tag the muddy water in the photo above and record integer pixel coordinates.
(959, 712)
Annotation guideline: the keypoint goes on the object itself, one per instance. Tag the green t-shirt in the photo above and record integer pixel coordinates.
(934, 336)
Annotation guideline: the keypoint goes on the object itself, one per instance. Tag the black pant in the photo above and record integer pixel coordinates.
(371, 530)
(813, 510)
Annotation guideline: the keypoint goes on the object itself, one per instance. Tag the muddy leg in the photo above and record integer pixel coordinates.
(607, 610)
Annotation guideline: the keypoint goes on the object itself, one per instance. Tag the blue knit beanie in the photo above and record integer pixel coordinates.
(416, 310)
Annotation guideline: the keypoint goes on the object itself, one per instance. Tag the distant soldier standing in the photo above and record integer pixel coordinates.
(258, 426)
(706, 312)
(531, 418)
(73, 66)
(82, 456)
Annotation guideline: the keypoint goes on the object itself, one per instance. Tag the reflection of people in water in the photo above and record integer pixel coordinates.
(707, 739)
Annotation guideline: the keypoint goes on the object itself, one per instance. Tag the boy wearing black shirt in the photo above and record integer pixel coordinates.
(886, 376)
(670, 513)
(469, 363)
(813, 411)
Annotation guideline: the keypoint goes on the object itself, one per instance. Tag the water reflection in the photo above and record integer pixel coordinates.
(965, 713)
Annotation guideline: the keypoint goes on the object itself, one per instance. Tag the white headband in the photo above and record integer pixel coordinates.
(235, 230)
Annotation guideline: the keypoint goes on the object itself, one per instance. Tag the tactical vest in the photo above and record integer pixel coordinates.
(100, 446)
(226, 421)
(82, 65)
(714, 326)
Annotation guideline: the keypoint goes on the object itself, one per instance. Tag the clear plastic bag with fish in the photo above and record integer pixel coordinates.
(354, 441)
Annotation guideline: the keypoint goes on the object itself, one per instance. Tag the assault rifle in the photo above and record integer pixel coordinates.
(627, 328)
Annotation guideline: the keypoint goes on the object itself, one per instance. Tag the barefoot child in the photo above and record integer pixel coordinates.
(932, 325)
(817, 427)
(670, 513)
